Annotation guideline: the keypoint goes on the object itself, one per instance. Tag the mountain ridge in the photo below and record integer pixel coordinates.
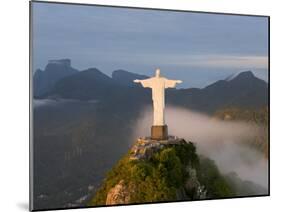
(244, 90)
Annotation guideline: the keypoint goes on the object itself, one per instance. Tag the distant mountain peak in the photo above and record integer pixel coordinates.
(93, 69)
(246, 74)
(94, 72)
(118, 71)
(240, 75)
(60, 65)
(65, 62)
(55, 70)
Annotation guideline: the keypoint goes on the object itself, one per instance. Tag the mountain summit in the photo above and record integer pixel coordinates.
(155, 171)
(244, 74)
(55, 70)
(167, 170)
(243, 90)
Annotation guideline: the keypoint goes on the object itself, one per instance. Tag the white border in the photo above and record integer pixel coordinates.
(14, 115)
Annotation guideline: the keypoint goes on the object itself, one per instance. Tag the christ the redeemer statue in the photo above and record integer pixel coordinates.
(158, 84)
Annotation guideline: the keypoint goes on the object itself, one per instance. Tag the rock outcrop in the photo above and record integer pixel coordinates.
(193, 184)
(119, 194)
(145, 148)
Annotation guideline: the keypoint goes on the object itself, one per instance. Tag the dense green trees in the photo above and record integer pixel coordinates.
(214, 182)
(159, 178)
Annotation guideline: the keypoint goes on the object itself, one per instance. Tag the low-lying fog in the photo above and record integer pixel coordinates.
(37, 103)
(217, 139)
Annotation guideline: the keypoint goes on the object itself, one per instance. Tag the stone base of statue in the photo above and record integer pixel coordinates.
(145, 147)
(159, 132)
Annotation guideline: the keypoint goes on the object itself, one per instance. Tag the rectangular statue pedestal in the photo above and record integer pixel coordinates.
(159, 132)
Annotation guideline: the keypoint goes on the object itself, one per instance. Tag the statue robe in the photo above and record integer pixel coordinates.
(158, 86)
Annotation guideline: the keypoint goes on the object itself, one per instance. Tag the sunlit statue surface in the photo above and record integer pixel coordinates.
(158, 84)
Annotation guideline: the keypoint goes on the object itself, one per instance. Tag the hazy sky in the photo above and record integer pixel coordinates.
(194, 47)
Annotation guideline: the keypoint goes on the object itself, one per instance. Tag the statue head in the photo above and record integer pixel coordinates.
(157, 72)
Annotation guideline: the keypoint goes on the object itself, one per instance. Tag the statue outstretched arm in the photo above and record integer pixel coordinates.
(171, 83)
(145, 83)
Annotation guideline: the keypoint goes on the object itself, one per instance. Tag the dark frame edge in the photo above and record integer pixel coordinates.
(268, 54)
(31, 157)
(146, 8)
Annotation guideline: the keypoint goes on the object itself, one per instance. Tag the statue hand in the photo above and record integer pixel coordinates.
(137, 81)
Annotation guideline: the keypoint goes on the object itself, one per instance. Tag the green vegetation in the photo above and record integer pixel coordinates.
(210, 177)
(161, 177)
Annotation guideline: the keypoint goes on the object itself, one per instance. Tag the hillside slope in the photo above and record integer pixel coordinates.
(160, 171)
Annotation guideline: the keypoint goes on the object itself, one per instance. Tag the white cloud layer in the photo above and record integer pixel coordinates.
(219, 140)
